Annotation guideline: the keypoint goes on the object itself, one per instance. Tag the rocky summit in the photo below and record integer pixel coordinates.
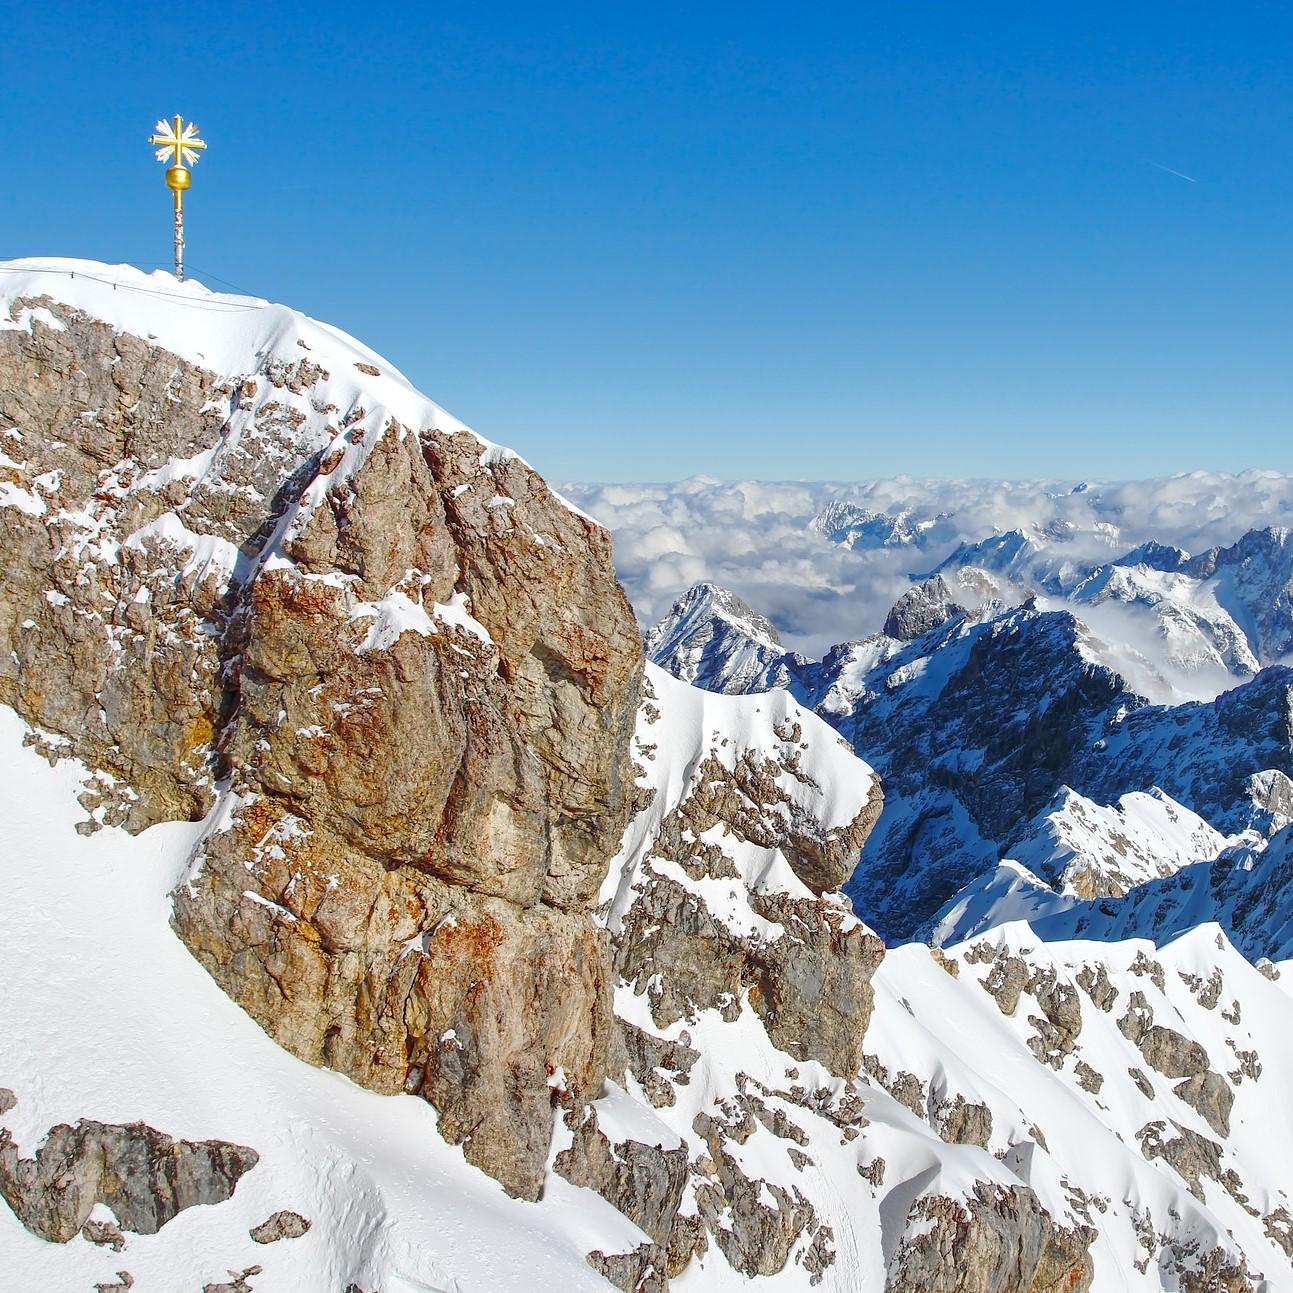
(378, 919)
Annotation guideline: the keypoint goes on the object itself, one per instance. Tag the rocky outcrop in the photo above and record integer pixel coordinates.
(658, 1064)
(282, 1225)
(640, 1271)
(996, 1240)
(812, 989)
(644, 1181)
(145, 1177)
(1177, 1056)
(926, 606)
(962, 1122)
(401, 660)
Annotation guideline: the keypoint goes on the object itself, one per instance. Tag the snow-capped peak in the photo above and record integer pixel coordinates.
(860, 528)
(714, 639)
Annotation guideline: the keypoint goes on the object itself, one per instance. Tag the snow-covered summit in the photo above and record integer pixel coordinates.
(217, 330)
(340, 701)
(712, 638)
(235, 335)
(861, 529)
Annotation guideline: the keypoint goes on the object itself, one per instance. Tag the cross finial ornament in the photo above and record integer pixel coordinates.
(178, 144)
(178, 141)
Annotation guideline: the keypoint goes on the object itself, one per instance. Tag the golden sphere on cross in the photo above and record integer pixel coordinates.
(178, 144)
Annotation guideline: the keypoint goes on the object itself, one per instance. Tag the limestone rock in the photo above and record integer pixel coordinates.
(925, 607)
(1194, 1157)
(404, 661)
(963, 1122)
(1005, 982)
(645, 1182)
(639, 1271)
(107, 1234)
(1211, 1095)
(1096, 984)
(651, 1058)
(144, 1176)
(997, 1240)
(236, 1284)
(282, 1225)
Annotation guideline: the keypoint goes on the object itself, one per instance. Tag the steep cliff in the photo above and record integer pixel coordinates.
(247, 563)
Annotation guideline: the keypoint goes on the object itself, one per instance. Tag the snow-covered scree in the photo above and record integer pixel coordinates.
(1147, 1108)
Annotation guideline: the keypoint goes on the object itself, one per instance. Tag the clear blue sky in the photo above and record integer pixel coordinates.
(780, 241)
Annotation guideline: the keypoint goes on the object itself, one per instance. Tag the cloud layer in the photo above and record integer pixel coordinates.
(755, 537)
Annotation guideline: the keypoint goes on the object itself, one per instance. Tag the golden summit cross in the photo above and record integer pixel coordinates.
(179, 144)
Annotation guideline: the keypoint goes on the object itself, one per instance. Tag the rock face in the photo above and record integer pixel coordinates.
(926, 606)
(144, 1176)
(995, 1241)
(402, 664)
(1258, 570)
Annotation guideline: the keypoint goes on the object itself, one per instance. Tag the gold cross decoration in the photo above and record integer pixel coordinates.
(178, 144)
(178, 141)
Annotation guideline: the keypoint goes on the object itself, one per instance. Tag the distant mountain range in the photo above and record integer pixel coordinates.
(1001, 706)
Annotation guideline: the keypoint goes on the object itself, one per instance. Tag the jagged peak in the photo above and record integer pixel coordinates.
(707, 601)
(928, 605)
(1271, 542)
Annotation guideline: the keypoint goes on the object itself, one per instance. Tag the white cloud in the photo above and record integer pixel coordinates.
(754, 537)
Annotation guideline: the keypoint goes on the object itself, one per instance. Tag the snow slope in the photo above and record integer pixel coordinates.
(965, 1083)
(394, 1208)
